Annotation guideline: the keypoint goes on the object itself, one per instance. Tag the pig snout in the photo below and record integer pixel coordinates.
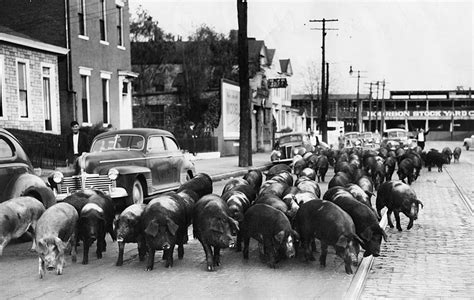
(166, 246)
(290, 247)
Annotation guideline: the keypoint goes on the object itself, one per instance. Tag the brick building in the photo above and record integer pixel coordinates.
(94, 77)
(29, 92)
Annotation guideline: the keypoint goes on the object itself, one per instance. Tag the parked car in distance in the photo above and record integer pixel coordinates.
(17, 175)
(352, 139)
(130, 165)
(290, 144)
(395, 137)
(468, 142)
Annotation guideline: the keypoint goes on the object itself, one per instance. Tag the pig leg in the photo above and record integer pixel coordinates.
(41, 267)
(60, 266)
(308, 251)
(100, 247)
(85, 254)
(410, 224)
(238, 247)
(245, 252)
(209, 257)
(217, 256)
(73, 249)
(169, 256)
(31, 233)
(141, 249)
(389, 218)
(347, 264)
(397, 219)
(121, 246)
(324, 253)
(151, 259)
(270, 253)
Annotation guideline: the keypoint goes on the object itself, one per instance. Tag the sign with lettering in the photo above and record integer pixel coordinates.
(429, 114)
(276, 83)
(230, 96)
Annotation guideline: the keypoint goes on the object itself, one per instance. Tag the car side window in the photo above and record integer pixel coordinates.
(5, 149)
(155, 144)
(137, 142)
(171, 144)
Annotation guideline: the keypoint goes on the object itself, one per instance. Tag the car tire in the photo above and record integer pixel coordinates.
(136, 194)
(467, 147)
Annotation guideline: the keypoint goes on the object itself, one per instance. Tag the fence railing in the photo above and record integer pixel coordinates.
(46, 156)
(196, 145)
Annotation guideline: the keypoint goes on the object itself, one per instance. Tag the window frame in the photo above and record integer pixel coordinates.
(85, 72)
(27, 86)
(105, 76)
(119, 25)
(103, 19)
(51, 78)
(81, 15)
(2, 87)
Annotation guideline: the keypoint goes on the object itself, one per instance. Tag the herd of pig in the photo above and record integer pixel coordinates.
(284, 213)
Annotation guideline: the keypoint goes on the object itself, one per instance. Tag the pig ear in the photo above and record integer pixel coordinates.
(233, 223)
(172, 227)
(41, 246)
(152, 229)
(59, 244)
(280, 236)
(366, 234)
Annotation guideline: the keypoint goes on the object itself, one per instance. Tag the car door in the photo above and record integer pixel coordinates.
(158, 160)
(176, 159)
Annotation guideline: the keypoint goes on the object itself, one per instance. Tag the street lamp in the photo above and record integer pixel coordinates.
(359, 110)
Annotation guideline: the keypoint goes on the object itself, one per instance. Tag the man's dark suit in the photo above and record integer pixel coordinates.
(83, 146)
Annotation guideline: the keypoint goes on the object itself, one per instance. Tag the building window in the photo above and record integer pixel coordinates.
(119, 25)
(105, 101)
(22, 90)
(82, 17)
(103, 21)
(85, 98)
(2, 76)
(158, 115)
(47, 98)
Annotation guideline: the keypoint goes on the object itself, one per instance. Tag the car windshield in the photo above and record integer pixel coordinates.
(118, 142)
(291, 139)
(397, 134)
(352, 135)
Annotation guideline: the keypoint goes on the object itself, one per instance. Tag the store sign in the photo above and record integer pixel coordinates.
(277, 83)
(423, 114)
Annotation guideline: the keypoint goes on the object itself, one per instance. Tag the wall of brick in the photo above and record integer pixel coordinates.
(35, 60)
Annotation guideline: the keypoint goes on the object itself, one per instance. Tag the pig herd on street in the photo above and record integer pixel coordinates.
(284, 210)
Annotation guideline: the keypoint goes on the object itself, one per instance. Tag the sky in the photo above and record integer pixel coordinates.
(411, 44)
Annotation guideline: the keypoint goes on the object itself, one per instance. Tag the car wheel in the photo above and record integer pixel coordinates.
(467, 147)
(137, 193)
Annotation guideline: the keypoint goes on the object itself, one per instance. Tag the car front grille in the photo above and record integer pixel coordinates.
(287, 151)
(74, 184)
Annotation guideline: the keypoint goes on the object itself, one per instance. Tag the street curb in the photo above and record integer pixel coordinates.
(358, 281)
(238, 173)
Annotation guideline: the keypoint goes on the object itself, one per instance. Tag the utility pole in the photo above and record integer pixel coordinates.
(358, 102)
(382, 117)
(377, 108)
(370, 108)
(324, 99)
(245, 141)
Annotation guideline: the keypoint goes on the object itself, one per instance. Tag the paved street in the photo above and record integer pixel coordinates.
(435, 258)
(432, 260)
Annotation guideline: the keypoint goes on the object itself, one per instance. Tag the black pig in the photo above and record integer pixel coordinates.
(129, 229)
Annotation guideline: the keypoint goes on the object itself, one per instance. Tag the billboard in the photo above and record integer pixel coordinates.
(230, 101)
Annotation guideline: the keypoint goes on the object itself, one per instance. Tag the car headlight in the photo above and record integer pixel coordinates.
(58, 177)
(113, 174)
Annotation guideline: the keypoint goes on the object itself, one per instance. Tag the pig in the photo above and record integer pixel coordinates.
(406, 170)
(322, 166)
(55, 232)
(274, 201)
(232, 183)
(435, 158)
(366, 184)
(95, 220)
(457, 154)
(276, 169)
(332, 226)
(398, 197)
(308, 172)
(299, 165)
(365, 221)
(340, 179)
(165, 225)
(213, 227)
(129, 229)
(359, 194)
(201, 184)
(284, 177)
(17, 217)
(255, 178)
(389, 164)
(273, 187)
(238, 204)
(308, 185)
(272, 229)
(78, 200)
(448, 154)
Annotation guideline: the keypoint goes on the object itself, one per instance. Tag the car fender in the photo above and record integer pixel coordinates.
(128, 175)
(32, 185)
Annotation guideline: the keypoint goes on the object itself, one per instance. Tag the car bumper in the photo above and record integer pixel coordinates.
(113, 192)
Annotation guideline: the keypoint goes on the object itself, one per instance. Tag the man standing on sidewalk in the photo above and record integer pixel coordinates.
(421, 137)
(76, 143)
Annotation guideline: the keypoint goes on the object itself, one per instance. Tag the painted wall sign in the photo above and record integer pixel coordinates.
(430, 114)
(230, 96)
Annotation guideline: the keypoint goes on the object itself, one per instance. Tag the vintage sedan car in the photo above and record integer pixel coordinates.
(352, 139)
(17, 175)
(290, 144)
(398, 137)
(468, 142)
(370, 139)
(130, 165)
